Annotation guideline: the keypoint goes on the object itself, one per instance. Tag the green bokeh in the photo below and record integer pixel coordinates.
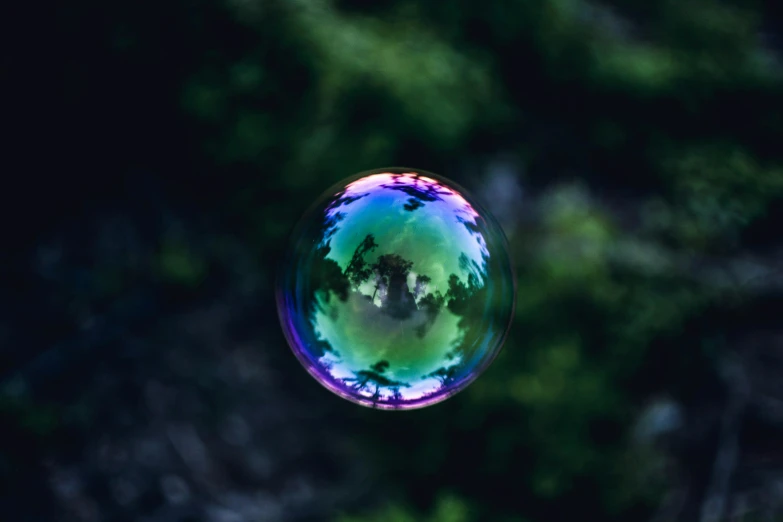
(646, 137)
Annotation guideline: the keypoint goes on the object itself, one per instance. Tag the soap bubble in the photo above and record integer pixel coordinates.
(397, 290)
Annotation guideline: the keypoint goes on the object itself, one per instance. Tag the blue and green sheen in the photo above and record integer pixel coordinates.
(397, 290)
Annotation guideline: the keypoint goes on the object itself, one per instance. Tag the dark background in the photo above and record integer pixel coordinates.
(161, 152)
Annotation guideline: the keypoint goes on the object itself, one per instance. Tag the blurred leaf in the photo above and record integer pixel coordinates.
(179, 265)
(448, 508)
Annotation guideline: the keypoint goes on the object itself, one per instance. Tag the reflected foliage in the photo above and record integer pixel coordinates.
(405, 316)
(373, 379)
(358, 271)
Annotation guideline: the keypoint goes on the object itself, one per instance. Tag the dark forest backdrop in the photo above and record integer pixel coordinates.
(161, 152)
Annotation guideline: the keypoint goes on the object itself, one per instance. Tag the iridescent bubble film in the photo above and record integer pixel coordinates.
(397, 290)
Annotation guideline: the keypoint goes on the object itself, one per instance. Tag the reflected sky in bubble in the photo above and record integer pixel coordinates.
(397, 290)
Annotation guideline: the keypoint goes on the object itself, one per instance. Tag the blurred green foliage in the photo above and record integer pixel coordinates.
(180, 266)
(448, 508)
(673, 108)
(669, 104)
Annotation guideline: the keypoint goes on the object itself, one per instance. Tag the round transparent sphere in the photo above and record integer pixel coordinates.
(397, 289)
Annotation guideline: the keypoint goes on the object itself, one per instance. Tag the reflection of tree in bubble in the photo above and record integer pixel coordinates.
(420, 192)
(444, 374)
(462, 296)
(431, 305)
(392, 271)
(365, 379)
(327, 279)
(357, 270)
(421, 285)
(397, 269)
(413, 204)
(388, 277)
(466, 301)
(326, 276)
